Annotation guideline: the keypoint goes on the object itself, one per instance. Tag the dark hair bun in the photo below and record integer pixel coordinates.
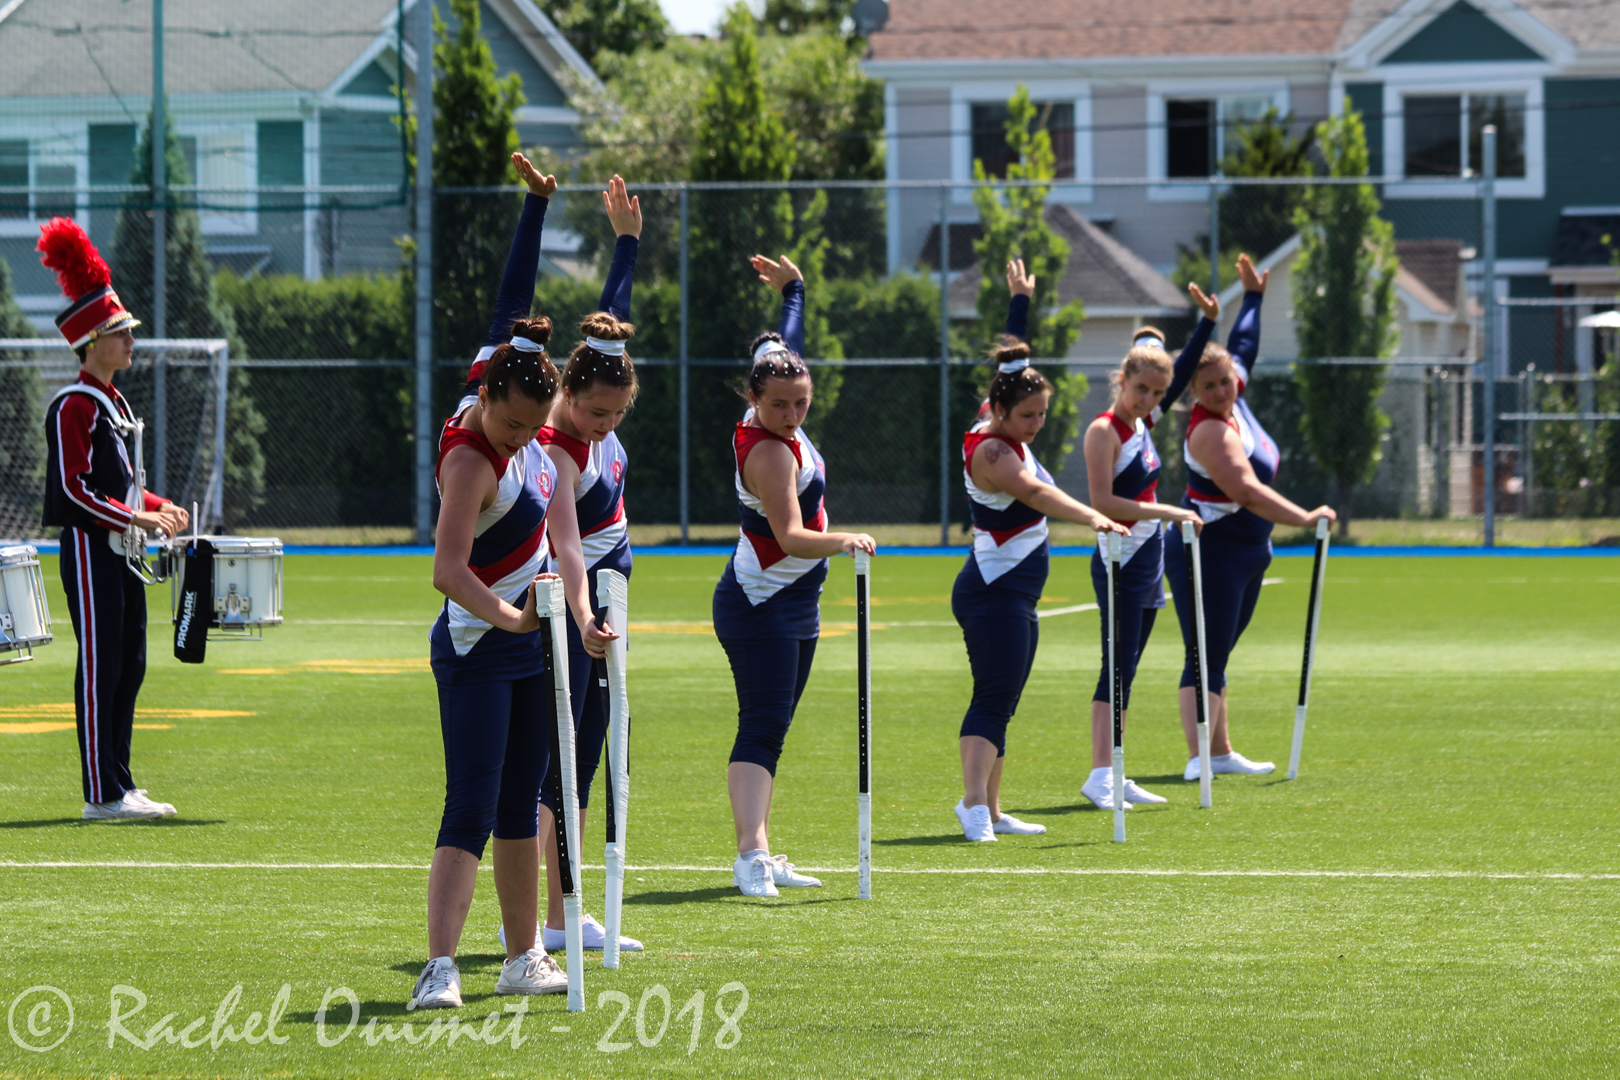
(537, 330)
(1009, 349)
(587, 368)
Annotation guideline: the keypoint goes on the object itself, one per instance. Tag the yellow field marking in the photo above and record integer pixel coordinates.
(50, 710)
(880, 601)
(403, 665)
(38, 727)
(153, 727)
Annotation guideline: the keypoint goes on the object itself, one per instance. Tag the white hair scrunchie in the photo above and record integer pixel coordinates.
(603, 346)
(1013, 365)
(1147, 339)
(523, 344)
(768, 347)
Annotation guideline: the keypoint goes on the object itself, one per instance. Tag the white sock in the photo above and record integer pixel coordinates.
(1102, 770)
(747, 856)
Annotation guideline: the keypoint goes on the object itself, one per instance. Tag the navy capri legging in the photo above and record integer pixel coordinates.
(1232, 571)
(496, 751)
(1141, 595)
(1002, 633)
(770, 674)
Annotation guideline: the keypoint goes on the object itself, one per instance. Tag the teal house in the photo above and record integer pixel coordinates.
(285, 109)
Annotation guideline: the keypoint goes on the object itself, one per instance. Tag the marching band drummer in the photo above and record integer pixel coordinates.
(90, 487)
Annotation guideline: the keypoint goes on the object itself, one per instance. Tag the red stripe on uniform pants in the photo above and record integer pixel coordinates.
(87, 620)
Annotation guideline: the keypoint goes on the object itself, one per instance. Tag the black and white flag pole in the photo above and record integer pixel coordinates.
(1195, 575)
(554, 637)
(1313, 616)
(1112, 552)
(614, 588)
(863, 665)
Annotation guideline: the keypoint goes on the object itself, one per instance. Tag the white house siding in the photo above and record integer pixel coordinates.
(923, 155)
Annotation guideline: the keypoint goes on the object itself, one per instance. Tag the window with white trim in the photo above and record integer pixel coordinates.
(25, 164)
(1198, 131)
(989, 135)
(1441, 128)
(222, 161)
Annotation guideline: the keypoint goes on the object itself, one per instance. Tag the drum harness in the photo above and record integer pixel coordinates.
(132, 541)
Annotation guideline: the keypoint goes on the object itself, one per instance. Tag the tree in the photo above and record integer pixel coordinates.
(798, 16)
(1015, 227)
(1344, 306)
(474, 137)
(22, 436)
(1254, 218)
(597, 26)
(195, 310)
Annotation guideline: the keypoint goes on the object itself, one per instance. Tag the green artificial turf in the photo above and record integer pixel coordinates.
(1435, 896)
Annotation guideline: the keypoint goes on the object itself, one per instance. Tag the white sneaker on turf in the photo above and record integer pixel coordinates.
(535, 972)
(166, 809)
(127, 807)
(1137, 795)
(1099, 788)
(1008, 825)
(1194, 769)
(975, 822)
(786, 877)
(593, 936)
(755, 876)
(1237, 763)
(439, 986)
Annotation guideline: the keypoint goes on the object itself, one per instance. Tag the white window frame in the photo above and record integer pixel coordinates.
(966, 95)
(68, 145)
(242, 222)
(1219, 90)
(1445, 80)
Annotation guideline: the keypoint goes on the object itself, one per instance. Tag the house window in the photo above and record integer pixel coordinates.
(1441, 128)
(1198, 131)
(989, 120)
(221, 162)
(19, 168)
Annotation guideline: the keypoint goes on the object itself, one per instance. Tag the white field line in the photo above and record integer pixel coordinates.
(1471, 875)
(1047, 614)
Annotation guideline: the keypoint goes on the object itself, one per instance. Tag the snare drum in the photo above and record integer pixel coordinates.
(25, 618)
(247, 582)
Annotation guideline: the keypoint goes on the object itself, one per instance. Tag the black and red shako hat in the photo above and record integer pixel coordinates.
(85, 280)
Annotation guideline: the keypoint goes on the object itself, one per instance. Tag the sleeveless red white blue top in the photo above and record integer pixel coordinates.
(1005, 530)
(1136, 477)
(1223, 517)
(508, 549)
(598, 493)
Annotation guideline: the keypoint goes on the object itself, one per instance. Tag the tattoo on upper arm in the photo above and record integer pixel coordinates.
(993, 452)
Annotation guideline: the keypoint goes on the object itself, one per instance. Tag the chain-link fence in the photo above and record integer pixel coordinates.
(174, 385)
(905, 292)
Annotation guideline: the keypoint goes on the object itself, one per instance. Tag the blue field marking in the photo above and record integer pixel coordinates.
(53, 547)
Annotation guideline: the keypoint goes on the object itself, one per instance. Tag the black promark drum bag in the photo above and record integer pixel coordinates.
(196, 603)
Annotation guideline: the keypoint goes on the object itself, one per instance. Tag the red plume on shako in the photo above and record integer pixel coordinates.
(86, 281)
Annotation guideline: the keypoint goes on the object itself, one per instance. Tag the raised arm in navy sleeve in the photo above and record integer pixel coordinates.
(1187, 362)
(1244, 341)
(517, 280)
(792, 325)
(616, 289)
(1018, 317)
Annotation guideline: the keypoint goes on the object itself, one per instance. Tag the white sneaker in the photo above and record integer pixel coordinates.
(1134, 794)
(786, 877)
(1006, 824)
(1099, 788)
(534, 972)
(439, 986)
(1194, 769)
(1242, 766)
(167, 809)
(593, 935)
(975, 822)
(128, 807)
(755, 877)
